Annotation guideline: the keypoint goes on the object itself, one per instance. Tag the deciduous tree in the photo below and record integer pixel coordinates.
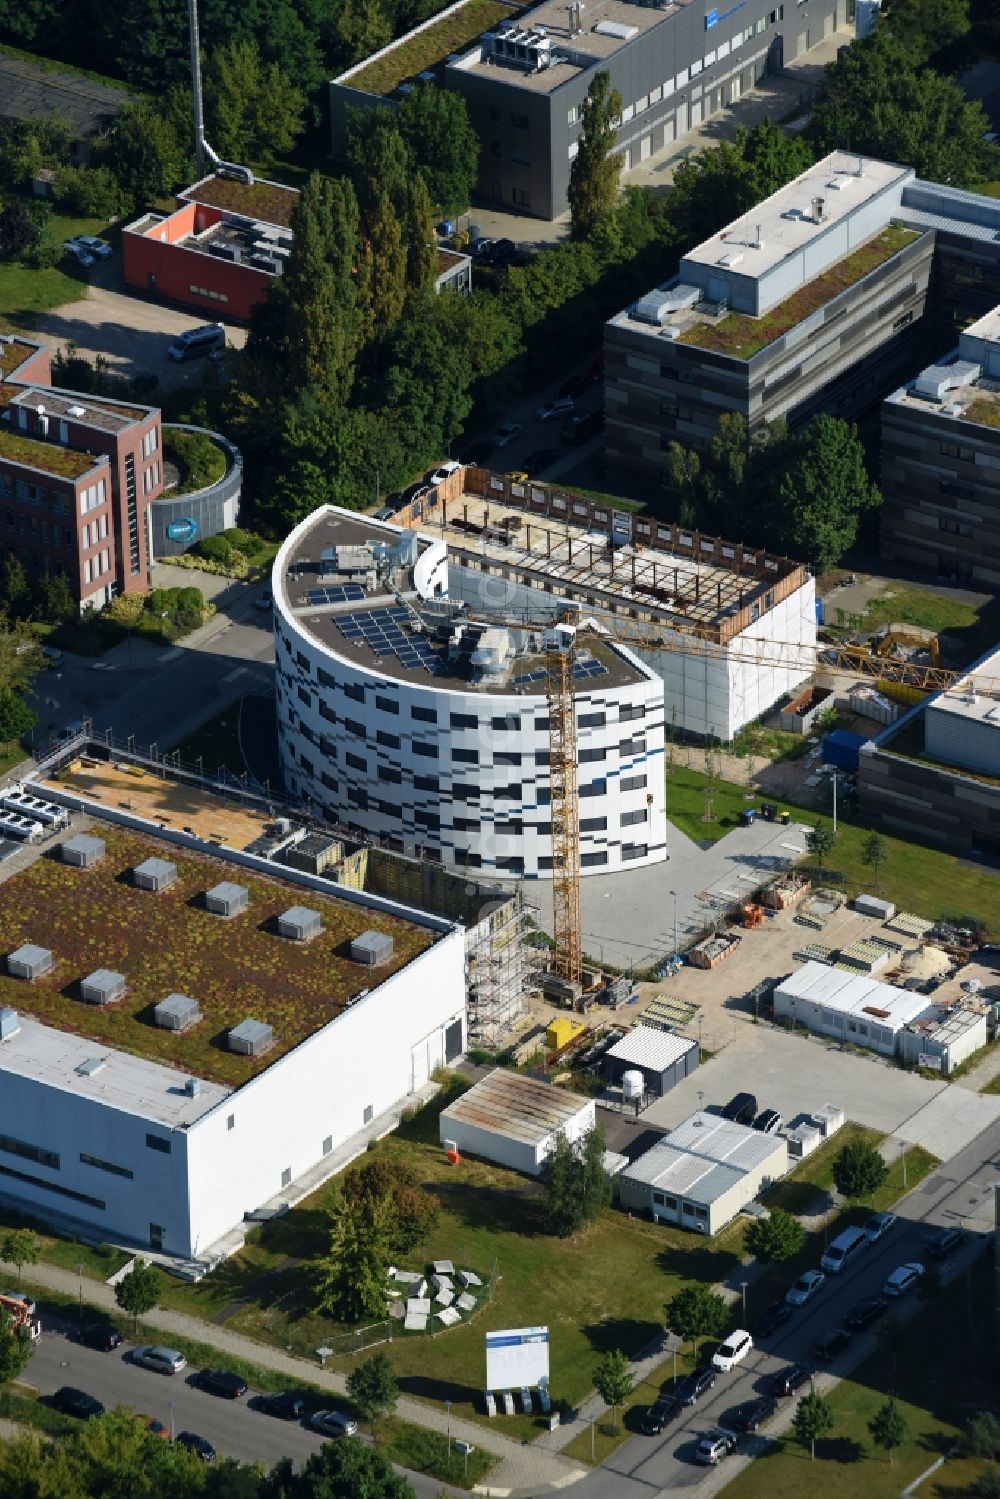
(813, 1419)
(858, 1170)
(19, 1246)
(352, 1279)
(593, 177)
(380, 1178)
(697, 1312)
(774, 1238)
(373, 1388)
(253, 107)
(821, 841)
(889, 1427)
(16, 718)
(874, 852)
(614, 1380)
(138, 1291)
(575, 1184)
(15, 1349)
(824, 489)
(435, 124)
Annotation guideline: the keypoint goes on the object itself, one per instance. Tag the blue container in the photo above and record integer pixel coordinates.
(841, 749)
(446, 228)
(820, 611)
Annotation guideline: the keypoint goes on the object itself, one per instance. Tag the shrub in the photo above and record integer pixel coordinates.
(215, 548)
(201, 461)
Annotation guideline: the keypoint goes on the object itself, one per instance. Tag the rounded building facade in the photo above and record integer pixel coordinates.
(385, 728)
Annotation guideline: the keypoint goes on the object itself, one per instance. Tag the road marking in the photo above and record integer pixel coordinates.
(170, 655)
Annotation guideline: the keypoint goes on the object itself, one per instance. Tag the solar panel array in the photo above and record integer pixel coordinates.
(382, 630)
(342, 593)
(585, 666)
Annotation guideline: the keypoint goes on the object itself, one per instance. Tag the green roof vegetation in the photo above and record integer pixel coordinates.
(984, 410)
(268, 201)
(416, 53)
(47, 457)
(13, 354)
(741, 336)
(167, 943)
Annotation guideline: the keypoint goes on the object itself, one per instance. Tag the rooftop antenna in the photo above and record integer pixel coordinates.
(201, 146)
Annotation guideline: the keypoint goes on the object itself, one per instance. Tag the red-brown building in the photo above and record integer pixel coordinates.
(78, 474)
(219, 249)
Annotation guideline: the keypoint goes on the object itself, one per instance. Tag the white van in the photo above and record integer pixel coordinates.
(845, 1248)
(196, 341)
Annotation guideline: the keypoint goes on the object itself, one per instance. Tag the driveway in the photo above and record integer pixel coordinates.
(130, 333)
(796, 1074)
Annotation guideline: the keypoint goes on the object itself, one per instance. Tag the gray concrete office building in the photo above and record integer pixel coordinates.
(525, 78)
(803, 304)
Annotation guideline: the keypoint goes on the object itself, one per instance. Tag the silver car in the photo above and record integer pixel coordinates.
(161, 1360)
(333, 1424)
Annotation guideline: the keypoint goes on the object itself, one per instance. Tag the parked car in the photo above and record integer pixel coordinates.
(263, 600)
(787, 1381)
(74, 251)
(500, 253)
(692, 1388)
(222, 1382)
(658, 1414)
(830, 1344)
(52, 654)
(384, 512)
(945, 1242)
(333, 1424)
(776, 1316)
(444, 471)
(161, 1360)
(903, 1279)
(715, 1445)
(73, 1402)
(861, 1317)
(753, 1413)
(878, 1225)
(539, 459)
(733, 1351)
(505, 434)
(480, 248)
(284, 1404)
(200, 1446)
(805, 1287)
(768, 1121)
(741, 1109)
(103, 1336)
(584, 425)
(194, 342)
(558, 407)
(99, 248)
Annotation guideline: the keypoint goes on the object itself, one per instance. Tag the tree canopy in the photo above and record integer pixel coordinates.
(575, 1183)
(858, 1170)
(352, 1278)
(774, 1238)
(593, 177)
(812, 1420)
(139, 1290)
(695, 1312)
(436, 127)
(614, 1379)
(889, 1427)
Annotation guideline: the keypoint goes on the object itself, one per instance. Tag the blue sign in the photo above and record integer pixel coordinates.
(185, 529)
(711, 19)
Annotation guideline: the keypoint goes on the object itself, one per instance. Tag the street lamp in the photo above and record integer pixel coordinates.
(674, 894)
(447, 1405)
(171, 1420)
(743, 1291)
(79, 1271)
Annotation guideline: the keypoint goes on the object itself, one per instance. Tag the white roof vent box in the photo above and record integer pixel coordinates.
(938, 379)
(660, 304)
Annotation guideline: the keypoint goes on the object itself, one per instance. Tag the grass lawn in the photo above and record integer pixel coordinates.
(916, 606)
(937, 1393)
(26, 291)
(95, 1263)
(11, 754)
(916, 878)
(452, 33)
(216, 743)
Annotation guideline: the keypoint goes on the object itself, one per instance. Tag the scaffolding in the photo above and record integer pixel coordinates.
(496, 971)
(564, 810)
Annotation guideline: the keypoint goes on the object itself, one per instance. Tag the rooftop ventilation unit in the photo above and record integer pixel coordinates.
(731, 258)
(83, 851)
(192, 1087)
(30, 962)
(934, 383)
(102, 987)
(77, 411)
(300, 923)
(227, 899)
(372, 948)
(620, 30)
(10, 1024)
(818, 207)
(251, 1038)
(222, 251)
(91, 1067)
(530, 50)
(178, 1012)
(154, 874)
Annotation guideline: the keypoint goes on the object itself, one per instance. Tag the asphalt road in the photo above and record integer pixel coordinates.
(159, 693)
(958, 1194)
(234, 1427)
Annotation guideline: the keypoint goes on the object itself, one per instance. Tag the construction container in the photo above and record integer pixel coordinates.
(30, 962)
(227, 899)
(251, 1038)
(871, 905)
(372, 948)
(178, 1012)
(314, 854)
(799, 716)
(83, 851)
(711, 951)
(841, 749)
(154, 874)
(867, 701)
(102, 987)
(561, 1032)
(300, 923)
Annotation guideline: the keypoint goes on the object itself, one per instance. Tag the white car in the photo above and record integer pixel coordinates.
(161, 1360)
(333, 1424)
(877, 1225)
(559, 407)
(903, 1279)
(99, 248)
(444, 471)
(75, 251)
(805, 1287)
(733, 1351)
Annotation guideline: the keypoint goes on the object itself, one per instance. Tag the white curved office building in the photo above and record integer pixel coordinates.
(400, 716)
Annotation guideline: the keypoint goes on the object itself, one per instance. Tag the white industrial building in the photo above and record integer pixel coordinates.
(513, 1120)
(113, 1143)
(848, 1007)
(703, 1173)
(400, 717)
(944, 1037)
(962, 724)
(411, 667)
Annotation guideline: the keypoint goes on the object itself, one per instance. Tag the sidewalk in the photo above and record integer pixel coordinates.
(523, 1466)
(989, 1068)
(593, 1408)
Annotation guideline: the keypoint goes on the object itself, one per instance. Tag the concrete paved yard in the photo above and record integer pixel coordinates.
(796, 1074)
